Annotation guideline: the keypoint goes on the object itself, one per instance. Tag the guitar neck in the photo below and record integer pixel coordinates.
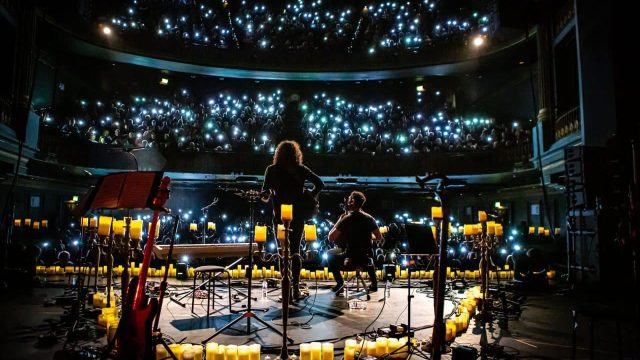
(144, 268)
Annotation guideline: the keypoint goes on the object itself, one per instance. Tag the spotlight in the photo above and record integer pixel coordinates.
(478, 41)
(185, 258)
(106, 30)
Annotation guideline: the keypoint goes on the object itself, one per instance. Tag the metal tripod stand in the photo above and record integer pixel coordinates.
(252, 196)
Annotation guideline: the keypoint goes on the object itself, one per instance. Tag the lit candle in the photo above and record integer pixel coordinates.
(84, 222)
(17, 222)
(36, 225)
(220, 353)
(305, 351)
(316, 351)
(176, 349)
(451, 330)
(434, 232)
(310, 232)
(93, 223)
(231, 352)
(243, 352)
(27, 222)
(197, 352)
(44, 223)
(482, 216)
(254, 352)
(193, 227)
(556, 231)
(135, 230)
(260, 234)
(327, 351)
(384, 230)
(540, 230)
(280, 232)
(286, 212)
(350, 349)
(381, 346)
(187, 354)
(436, 212)
(469, 229)
(371, 348)
(392, 347)
(118, 227)
(161, 352)
(157, 230)
(499, 231)
(211, 226)
(532, 230)
(211, 349)
(491, 227)
(104, 225)
(547, 232)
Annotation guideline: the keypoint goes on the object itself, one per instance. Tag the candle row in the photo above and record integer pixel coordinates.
(543, 232)
(396, 348)
(212, 351)
(28, 223)
(316, 351)
(210, 226)
(239, 272)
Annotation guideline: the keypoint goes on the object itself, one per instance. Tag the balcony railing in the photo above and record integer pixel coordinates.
(567, 123)
(93, 155)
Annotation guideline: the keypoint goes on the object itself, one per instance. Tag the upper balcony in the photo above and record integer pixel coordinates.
(302, 40)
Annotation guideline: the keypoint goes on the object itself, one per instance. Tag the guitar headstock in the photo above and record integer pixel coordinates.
(163, 193)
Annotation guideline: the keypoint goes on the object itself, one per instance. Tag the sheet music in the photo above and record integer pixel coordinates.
(137, 188)
(107, 195)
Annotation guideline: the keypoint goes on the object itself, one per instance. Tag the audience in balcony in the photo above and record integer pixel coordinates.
(223, 122)
(304, 25)
(333, 124)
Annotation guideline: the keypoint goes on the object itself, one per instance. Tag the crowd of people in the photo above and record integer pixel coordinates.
(332, 124)
(304, 25)
(224, 122)
(228, 122)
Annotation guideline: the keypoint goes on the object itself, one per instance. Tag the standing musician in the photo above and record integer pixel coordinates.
(353, 232)
(285, 179)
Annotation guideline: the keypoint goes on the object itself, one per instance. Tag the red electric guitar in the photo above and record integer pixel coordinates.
(138, 312)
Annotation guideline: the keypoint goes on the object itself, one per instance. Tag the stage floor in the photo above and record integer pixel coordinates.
(541, 331)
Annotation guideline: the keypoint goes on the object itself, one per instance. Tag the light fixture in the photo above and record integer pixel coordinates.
(164, 81)
(478, 41)
(106, 30)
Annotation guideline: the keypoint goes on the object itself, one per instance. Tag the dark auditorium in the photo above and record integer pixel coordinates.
(319, 180)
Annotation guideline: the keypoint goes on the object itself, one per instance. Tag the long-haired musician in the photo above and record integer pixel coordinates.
(285, 178)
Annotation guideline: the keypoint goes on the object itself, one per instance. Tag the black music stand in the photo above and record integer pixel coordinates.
(252, 196)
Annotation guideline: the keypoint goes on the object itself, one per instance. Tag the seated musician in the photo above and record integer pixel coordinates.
(353, 232)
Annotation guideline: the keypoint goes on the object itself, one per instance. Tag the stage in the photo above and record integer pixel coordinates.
(541, 331)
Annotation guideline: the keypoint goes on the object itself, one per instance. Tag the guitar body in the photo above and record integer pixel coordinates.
(135, 342)
(138, 312)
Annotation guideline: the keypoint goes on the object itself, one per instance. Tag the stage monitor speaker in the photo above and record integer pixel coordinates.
(464, 353)
(182, 271)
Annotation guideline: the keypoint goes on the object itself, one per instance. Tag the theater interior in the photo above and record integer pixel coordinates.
(318, 180)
